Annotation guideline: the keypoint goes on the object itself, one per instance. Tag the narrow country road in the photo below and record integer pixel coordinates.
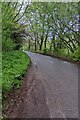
(60, 81)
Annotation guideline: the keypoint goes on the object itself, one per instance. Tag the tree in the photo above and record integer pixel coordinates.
(12, 12)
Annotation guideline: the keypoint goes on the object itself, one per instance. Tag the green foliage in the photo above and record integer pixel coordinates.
(24, 47)
(8, 45)
(76, 54)
(63, 52)
(14, 65)
(55, 24)
(12, 31)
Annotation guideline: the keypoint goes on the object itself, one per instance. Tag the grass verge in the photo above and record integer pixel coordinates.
(14, 66)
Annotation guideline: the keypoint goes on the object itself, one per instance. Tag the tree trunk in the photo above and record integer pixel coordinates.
(29, 45)
(54, 44)
(41, 43)
(35, 45)
(50, 49)
(45, 43)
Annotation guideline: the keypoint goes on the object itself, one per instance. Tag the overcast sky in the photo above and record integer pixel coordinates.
(40, 0)
(50, 0)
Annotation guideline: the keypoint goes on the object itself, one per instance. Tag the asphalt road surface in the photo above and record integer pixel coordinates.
(60, 81)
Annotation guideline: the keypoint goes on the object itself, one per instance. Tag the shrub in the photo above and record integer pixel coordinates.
(76, 54)
(8, 44)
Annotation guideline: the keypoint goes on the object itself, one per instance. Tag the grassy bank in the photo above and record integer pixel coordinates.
(14, 66)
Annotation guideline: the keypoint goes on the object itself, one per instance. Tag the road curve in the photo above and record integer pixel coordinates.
(60, 81)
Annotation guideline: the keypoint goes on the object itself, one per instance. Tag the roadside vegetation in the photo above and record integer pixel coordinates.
(15, 62)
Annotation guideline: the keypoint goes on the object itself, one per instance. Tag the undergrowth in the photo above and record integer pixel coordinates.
(14, 66)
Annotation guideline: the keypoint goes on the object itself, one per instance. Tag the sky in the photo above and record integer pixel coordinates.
(40, 0)
(51, 0)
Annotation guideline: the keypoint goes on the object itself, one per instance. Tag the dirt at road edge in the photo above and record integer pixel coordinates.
(30, 100)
